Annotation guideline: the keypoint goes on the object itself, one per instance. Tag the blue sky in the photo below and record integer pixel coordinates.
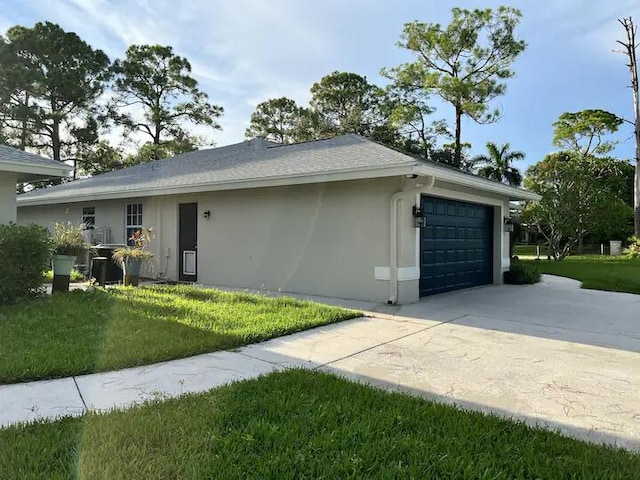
(246, 51)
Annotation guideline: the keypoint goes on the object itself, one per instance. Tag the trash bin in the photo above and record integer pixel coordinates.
(112, 272)
(99, 270)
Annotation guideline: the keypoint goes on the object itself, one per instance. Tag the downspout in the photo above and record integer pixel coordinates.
(393, 236)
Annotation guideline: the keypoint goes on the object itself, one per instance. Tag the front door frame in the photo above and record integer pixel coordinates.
(182, 248)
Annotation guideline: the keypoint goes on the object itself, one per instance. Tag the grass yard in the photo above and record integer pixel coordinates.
(300, 424)
(599, 272)
(84, 332)
(527, 250)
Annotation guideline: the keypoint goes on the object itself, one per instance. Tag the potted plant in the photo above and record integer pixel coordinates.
(133, 257)
(68, 242)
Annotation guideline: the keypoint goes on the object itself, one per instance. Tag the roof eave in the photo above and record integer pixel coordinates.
(463, 179)
(284, 180)
(29, 172)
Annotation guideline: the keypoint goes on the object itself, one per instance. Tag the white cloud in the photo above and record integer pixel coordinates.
(595, 25)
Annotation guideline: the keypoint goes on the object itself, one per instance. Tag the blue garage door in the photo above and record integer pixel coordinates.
(456, 246)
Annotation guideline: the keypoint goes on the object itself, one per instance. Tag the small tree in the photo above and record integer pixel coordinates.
(573, 190)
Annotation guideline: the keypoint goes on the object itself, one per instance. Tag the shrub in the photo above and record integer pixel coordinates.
(521, 274)
(25, 252)
(633, 250)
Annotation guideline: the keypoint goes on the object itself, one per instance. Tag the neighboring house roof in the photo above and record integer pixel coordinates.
(30, 167)
(256, 163)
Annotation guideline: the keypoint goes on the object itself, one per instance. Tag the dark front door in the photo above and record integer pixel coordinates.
(188, 242)
(456, 246)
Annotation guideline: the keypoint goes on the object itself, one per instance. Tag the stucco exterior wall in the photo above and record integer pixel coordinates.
(321, 239)
(8, 182)
(328, 239)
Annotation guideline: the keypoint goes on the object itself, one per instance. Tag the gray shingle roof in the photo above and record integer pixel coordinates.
(252, 160)
(244, 163)
(14, 155)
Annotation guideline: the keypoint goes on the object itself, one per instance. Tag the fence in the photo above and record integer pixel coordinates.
(587, 249)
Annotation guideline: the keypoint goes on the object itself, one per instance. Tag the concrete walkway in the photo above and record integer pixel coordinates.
(315, 348)
(550, 354)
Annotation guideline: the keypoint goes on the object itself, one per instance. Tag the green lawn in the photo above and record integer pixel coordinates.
(528, 250)
(83, 332)
(600, 272)
(300, 424)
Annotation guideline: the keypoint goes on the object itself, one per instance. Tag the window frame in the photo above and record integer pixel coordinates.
(89, 215)
(133, 220)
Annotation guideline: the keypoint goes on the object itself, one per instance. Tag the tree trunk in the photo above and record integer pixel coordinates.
(580, 244)
(457, 156)
(24, 134)
(630, 47)
(55, 140)
(156, 141)
(633, 65)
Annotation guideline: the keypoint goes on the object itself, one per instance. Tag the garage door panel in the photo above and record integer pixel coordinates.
(456, 246)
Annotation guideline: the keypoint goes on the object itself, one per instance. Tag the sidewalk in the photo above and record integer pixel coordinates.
(73, 396)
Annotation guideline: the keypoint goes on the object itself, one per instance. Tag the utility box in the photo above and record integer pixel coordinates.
(615, 248)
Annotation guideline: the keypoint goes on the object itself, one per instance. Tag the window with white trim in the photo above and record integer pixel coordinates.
(89, 217)
(133, 220)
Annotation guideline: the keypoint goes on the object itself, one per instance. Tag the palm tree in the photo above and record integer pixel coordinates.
(497, 164)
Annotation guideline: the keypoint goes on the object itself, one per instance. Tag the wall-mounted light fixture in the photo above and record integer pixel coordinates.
(419, 217)
(508, 224)
(207, 214)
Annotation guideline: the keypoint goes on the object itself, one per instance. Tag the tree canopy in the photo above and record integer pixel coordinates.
(497, 164)
(49, 82)
(280, 120)
(580, 196)
(156, 95)
(465, 63)
(585, 132)
(347, 103)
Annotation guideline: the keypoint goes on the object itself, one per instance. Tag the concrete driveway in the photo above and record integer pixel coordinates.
(550, 354)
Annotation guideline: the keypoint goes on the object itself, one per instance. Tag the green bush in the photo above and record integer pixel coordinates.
(521, 274)
(633, 250)
(25, 252)
(76, 276)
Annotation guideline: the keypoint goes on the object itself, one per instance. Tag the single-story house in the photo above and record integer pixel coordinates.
(16, 167)
(334, 217)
